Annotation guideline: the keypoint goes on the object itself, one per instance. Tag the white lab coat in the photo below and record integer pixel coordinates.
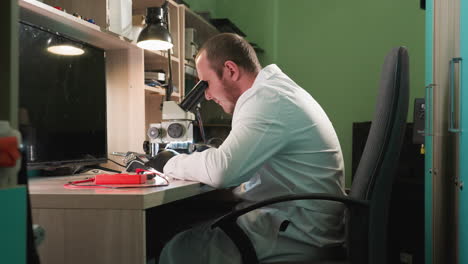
(281, 142)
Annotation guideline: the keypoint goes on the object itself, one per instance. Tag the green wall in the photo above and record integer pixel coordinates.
(334, 49)
(256, 18)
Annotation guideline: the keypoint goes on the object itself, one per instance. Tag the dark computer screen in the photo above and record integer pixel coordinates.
(62, 101)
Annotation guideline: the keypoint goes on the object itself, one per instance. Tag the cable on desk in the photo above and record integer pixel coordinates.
(116, 163)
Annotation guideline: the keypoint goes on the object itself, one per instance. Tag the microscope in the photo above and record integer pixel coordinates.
(176, 128)
(174, 133)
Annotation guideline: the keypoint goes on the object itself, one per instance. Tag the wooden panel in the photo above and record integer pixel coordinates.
(93, 9)
(123, 200)
(50, 193)
(125, 104)
(117, 102)
(51, 250)
(181, 10)
(152, 108)
(105, 236)
(92, 236)
(46, 16)
(142, 4)
(136, 100)
(174, 28)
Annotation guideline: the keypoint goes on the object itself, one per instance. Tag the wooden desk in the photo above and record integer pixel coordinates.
(97, 225)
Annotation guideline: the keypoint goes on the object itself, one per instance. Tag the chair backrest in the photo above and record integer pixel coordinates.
(373, 180)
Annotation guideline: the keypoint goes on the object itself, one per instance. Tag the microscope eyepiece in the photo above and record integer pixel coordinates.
(194, 97)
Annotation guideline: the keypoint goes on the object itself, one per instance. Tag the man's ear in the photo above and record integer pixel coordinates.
(232, 69)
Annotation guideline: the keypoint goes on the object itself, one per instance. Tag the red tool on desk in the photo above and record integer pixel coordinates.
(117, 181)
(120, 179)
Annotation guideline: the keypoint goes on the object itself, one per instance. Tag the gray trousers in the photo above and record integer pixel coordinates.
(203, 245)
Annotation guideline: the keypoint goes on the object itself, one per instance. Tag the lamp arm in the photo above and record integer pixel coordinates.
(169, 88)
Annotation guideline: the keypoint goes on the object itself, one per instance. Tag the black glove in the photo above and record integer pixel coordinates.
(161, 159)
(199, 147)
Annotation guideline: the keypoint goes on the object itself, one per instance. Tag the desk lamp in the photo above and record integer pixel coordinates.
(156, 36)
(176, 126)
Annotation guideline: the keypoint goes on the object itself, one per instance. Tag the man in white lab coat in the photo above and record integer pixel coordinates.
(281, 142)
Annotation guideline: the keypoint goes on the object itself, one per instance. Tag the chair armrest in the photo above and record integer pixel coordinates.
(228, 223)
(347, 201)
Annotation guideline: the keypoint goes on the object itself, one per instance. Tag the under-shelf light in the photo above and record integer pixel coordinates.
(61, 46)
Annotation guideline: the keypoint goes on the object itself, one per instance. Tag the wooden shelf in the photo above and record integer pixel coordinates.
(190, 63)
(53, 19)
(142, 4)
(159, 90)
(160, 56)
(190, 70)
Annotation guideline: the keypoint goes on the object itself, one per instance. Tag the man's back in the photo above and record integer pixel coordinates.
(281, 142)
(294, 150)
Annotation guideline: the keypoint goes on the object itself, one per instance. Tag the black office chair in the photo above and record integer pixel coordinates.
(367, 205)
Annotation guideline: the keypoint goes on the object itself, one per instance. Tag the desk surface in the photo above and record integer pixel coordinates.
(50, 193)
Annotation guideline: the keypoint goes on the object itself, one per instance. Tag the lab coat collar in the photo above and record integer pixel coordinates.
(266, 73)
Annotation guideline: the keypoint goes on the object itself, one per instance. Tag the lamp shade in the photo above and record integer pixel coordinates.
(155, 36)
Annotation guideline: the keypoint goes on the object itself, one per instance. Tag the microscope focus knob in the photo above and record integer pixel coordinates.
(175, 130)
(153, 132)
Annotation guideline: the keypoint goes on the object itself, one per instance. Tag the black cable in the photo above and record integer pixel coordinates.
(169, 88)
(101, 168)
(200, 124)
(116, 163)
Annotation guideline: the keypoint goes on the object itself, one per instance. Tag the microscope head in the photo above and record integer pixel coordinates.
(176, 126)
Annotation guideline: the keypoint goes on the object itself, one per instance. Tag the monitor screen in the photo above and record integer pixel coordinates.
(62, 101)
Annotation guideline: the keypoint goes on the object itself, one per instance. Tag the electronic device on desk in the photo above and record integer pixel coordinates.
(176, 129)
(62, 101)
(133, 160)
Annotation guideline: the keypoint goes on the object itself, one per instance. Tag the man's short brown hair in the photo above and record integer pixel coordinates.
(227, 46)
